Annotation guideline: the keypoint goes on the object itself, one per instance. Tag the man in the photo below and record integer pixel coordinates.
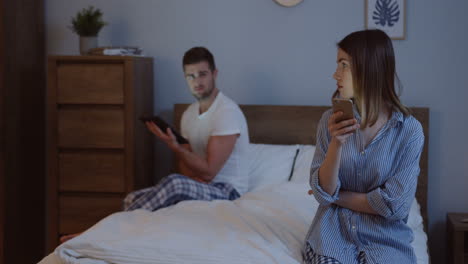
(214, 164)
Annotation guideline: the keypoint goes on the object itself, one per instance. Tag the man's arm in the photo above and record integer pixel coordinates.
(182, 168)
(219, 149)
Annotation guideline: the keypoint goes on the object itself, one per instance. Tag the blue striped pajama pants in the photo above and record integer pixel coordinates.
(176, 188)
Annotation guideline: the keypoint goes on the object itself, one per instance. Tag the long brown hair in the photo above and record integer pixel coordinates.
(373, 71)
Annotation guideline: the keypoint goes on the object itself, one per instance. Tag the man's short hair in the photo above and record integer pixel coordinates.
(198, 54)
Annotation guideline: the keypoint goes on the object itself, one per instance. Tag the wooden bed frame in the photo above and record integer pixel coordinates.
(277, 124)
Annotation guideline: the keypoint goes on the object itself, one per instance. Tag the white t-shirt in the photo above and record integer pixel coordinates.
(224, 117)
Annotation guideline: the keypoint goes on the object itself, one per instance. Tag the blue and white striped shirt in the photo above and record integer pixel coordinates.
(387, 171)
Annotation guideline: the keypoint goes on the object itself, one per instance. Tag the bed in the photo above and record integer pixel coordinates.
(268, 224)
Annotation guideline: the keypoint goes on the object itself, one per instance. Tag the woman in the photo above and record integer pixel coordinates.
(364, 172)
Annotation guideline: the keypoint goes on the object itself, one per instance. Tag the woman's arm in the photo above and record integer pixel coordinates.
(393, 199)
(328, 171)
(355, 201)
(340, 132)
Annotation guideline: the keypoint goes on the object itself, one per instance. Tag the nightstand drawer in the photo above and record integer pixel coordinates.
(457, 236)
(77, 213)
(90, 128)
(92, 171)
(90, 83)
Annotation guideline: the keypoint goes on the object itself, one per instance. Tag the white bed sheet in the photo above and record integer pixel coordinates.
(264, 226)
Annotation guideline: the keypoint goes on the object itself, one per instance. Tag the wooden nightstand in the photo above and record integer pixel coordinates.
(457, 233)
(98, 150)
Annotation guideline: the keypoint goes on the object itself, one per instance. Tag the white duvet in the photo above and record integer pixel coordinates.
(264, 226)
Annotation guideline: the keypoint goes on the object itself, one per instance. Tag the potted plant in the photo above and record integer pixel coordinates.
(87, 23)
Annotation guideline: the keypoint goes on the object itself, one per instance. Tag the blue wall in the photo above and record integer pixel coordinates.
(268, 54)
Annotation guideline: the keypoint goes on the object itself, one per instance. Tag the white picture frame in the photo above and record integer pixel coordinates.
(386, 15)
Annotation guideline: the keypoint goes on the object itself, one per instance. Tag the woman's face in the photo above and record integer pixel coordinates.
(343, 75)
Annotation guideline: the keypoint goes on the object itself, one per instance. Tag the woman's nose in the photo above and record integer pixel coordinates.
(336, 76)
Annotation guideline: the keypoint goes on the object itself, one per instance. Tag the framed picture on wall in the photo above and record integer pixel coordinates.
(387, 15)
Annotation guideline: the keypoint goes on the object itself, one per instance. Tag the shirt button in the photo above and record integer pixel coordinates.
(362, 152)
(353, 227)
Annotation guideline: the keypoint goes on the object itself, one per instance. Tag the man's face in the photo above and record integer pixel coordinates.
(200, 79)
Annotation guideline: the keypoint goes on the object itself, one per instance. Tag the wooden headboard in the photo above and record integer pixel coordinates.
(278, 124)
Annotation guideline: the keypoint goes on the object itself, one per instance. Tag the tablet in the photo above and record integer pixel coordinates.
(163, 125)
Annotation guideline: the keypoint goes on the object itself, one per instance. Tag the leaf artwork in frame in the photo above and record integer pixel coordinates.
(387, 15)
(386, 12)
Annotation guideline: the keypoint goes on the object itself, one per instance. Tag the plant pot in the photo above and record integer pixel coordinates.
(87, 43)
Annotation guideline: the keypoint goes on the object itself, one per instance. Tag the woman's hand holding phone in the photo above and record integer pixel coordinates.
(342, 123)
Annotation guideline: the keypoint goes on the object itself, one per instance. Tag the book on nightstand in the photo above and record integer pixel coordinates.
(123, 51)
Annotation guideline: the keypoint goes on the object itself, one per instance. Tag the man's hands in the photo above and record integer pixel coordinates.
(341, 131)
(167, 137)
(199, 168)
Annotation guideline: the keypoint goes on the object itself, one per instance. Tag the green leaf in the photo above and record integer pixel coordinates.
(87, 22)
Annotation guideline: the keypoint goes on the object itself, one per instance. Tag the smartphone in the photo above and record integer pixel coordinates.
(163, 125)
(345, 106)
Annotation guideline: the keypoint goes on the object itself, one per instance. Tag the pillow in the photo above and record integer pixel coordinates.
(301, 171)
(270, 164)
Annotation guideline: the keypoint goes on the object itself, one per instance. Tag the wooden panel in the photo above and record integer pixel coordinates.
(422, 115)
(84, 83)
(276, 124)
(90, 128)
(77, 213)
(142, 77)
(129, 117)
(52, 154)
(92, 171)
(2, 136)
(22, 83)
